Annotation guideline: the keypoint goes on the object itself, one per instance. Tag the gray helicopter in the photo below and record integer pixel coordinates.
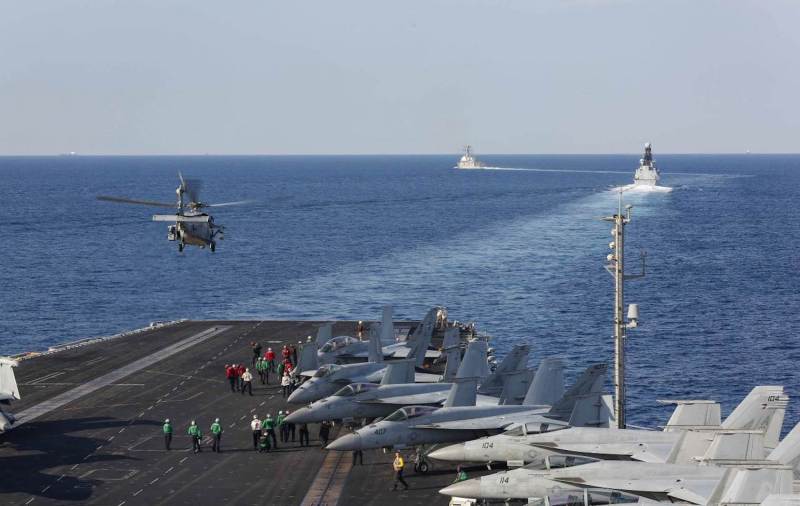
(192, 226)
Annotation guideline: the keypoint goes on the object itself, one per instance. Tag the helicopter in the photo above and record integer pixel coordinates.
(192, 226)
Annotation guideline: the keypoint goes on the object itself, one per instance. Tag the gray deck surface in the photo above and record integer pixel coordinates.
(106, 447)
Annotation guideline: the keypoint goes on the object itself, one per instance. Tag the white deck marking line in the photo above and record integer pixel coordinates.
(61, 477)
(138, 492)
(183, 460)
(123, 502)
(262, 403)
(242, 418)
(153, 481)
(116, 375)
(74, 467)
(29, 500)
(111, 438)
(121, 430)
(46, 377)
(231, 425)
(168, 470)
(45, 489)
(98, 448)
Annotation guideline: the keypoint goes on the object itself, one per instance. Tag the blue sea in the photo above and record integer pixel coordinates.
(520, 252)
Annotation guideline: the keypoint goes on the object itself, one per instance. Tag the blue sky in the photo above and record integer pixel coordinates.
(264, 77)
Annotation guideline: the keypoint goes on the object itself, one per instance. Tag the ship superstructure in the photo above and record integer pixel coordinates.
(647, 173)
(468, 160)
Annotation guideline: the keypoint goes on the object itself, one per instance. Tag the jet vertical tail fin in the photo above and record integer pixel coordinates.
(324, 334)
(387, 326)
(588, 384)
(547, 386)
(399, 372)
(308, 360)
(464, 392)
(788, 451)
(764, 409)
(375, 349)
(421, 338)
(9, 391)
(692, 413)
(452, 351)
(516, 360)
(515, 387)
(750, 486)
(474, 363)
(595, 410)
(736, 445)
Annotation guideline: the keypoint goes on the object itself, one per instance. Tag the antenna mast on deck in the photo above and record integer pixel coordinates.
(616, 267)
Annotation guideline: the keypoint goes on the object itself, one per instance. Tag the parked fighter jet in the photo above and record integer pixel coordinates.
(367, 400)
(8, 392)
(762, 409)
(329, 378)
(460, 419)
(738, 487)
(345, 349)
(669, 481)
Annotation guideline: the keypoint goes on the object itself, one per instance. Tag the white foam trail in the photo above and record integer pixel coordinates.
(638, 188)
(530, 169)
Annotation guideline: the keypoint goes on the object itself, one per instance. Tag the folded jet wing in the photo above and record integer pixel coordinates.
(644, 452)
(499, 422)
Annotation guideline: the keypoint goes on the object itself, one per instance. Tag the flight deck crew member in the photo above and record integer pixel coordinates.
(304, 434)
(268, 426)
(255, 426)
(398, 466)
(290, 428)
(358, 455)
(216, 434)
(286, 383)
(260, 369)
(240, 372)
(256, 352)
(461, 475)
(282, 426)
(195, 434)
(270, 356)
(230, 373)
(167, 433)
(324, 432)
(247, 381)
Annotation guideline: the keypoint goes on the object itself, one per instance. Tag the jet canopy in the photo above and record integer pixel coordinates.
(337, 343)
(326, 370)
(355, 388)
(410, 412)
(533, 428)
(584, 497)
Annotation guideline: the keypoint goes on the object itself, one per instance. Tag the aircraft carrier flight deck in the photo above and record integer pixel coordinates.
(90, 421)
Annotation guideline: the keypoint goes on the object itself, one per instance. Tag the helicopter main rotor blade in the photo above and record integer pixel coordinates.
(134, 201)
(223, 204)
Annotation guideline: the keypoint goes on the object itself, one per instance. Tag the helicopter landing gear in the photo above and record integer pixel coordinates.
(180, 247)
(213, 246)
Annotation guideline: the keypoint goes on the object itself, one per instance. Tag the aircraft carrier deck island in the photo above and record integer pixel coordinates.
(90, 418)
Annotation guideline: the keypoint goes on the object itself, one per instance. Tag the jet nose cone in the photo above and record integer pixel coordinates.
(345, 443)
(300, 396)
(469, 488)
(452, 453)
(299, 416)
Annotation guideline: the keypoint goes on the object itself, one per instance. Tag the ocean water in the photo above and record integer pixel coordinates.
(518, 251)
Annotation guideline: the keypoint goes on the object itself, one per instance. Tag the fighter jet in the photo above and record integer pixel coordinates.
(345, 349)
(460, 419)
(367, 400)
(515, 447)
(8, 392)
(329, 378)
(748, 486)
(694, 483)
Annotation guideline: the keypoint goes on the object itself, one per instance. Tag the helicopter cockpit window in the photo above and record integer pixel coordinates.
(557, 461)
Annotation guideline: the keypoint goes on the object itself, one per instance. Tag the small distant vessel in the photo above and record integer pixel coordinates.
(468, 161)
(647, 175)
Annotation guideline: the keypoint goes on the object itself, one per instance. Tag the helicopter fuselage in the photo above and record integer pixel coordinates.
(192, 228)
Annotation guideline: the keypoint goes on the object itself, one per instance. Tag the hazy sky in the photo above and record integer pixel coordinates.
(526, 76)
